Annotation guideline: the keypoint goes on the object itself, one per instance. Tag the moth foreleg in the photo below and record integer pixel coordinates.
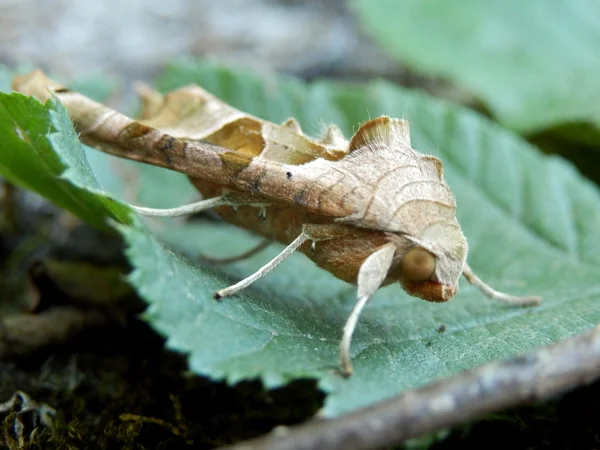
(264, 270)
(514, 300)
(310, 232)
(371, 275)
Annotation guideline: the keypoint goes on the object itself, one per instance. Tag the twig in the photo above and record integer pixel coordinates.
(536, 376)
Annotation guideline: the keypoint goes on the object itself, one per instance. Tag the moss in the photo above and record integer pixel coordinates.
(122, 390)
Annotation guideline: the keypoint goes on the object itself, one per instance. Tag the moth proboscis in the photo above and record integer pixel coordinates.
(370, 210)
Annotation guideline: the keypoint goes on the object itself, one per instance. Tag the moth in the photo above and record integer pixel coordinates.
(371, 210)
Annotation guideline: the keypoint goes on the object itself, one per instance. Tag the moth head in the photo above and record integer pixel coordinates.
(430, 266)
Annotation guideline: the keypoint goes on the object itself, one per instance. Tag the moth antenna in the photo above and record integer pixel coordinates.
(514, 300)
(185, 209)
(264, 270)
(371, 274)
(247, 254)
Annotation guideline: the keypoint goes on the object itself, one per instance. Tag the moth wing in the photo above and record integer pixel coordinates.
(385, 182)
(383, 129)
(287, 144)
(193, 114)
(292, 125)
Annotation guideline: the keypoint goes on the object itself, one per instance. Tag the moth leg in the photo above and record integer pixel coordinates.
(202, 205)
(247, 254)
(184, 210)
(371, 274)
(496, 295)
(310, 232)
(264, 270)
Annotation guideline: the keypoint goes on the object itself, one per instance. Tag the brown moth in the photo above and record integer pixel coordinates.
(371, 211)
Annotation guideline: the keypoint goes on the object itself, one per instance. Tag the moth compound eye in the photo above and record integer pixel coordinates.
(418, 264)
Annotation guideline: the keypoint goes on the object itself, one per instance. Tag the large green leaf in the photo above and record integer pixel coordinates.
(535, 63)
(531, 221)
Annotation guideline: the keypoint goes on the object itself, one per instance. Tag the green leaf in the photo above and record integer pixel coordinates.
(32, 135)
(531, 222)
(535, 66)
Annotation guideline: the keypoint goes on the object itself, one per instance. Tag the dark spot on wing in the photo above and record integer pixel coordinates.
(256, 182)
(254, 187)
(299, 198)
(165, 144)
(289, 175)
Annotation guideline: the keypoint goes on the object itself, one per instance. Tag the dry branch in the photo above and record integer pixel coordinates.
(537, 376)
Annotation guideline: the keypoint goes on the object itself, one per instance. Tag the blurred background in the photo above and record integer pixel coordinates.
(531, 67)
(136, 38)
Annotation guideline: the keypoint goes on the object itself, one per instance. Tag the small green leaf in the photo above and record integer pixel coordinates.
(536, 65)
(531, 222)
(33, 136)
